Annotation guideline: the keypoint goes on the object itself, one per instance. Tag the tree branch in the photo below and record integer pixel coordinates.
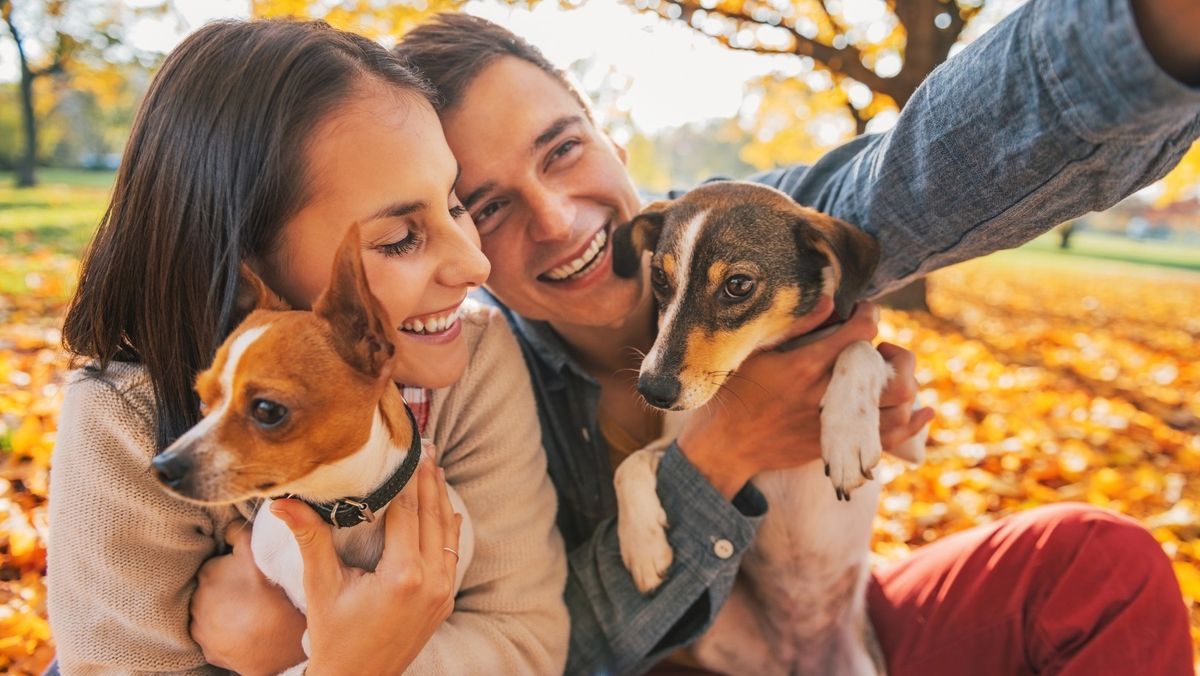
(846, 60)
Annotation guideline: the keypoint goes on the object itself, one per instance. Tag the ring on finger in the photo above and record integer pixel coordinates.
(447, 549)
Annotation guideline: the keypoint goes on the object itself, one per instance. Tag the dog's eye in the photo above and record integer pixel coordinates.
(267, 413)
(739, 286)
(658, 277)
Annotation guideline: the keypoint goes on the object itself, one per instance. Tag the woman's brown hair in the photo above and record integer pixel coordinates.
(213, 168)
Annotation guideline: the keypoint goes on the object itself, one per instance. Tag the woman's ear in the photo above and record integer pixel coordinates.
(363, 333)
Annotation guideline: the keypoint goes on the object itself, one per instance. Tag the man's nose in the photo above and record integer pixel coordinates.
(660, 391)
(553, 216)
(172, 468)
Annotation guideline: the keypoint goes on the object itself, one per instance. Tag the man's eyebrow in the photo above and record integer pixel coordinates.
(554, 130)
(549, 134)
(478, 194)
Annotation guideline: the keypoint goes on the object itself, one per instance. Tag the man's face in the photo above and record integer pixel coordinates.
(545, 189)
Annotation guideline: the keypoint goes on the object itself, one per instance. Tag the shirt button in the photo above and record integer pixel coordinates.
(587, 436)
(723, 548)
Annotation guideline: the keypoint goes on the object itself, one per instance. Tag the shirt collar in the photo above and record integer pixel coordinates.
(541, 338)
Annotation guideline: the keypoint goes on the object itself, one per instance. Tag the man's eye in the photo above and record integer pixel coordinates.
(564, 148)
(485, 212)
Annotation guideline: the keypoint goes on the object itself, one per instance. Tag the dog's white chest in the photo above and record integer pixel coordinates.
(278, 555)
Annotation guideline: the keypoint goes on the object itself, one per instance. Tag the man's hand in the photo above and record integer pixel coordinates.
(767, 416)
(1168, 28)
(241, 620)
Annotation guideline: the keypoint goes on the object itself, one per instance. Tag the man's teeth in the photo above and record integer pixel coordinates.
(585, 261)
(432, 324)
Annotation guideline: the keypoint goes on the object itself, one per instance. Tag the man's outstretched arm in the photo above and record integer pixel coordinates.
(1065, 107)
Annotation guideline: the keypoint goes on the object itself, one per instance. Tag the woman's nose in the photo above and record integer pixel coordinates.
(464, 263)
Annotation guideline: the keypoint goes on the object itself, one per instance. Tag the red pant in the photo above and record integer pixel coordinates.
(1065, 589)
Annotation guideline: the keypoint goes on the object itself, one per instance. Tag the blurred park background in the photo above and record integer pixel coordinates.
(1065, 370)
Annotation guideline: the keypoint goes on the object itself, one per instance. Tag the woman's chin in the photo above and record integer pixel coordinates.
(431, 366)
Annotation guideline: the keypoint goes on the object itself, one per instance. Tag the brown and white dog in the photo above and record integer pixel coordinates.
(303, 404)
(734, 266)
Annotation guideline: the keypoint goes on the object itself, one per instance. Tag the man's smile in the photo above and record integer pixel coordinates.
(585, 260)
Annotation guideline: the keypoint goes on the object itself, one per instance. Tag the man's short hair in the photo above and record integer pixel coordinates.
(451, 49)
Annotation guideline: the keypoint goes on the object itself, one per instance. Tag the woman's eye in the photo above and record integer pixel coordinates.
(458, 211)
(400, 247)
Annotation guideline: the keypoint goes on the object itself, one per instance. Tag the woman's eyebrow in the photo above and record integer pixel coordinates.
(398, 209)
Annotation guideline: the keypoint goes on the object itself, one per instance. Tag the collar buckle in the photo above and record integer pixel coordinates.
(361, 510)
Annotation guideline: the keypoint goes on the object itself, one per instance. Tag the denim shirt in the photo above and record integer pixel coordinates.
(1057, 111)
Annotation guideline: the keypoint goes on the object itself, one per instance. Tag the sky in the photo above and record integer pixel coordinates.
(672, 74)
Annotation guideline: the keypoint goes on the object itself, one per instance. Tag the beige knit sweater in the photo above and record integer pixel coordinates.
(123, 555)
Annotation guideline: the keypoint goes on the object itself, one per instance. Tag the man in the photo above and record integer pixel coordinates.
(1057, 111)
(1065, 107)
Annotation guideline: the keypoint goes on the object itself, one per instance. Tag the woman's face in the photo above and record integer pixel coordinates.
(380, 159)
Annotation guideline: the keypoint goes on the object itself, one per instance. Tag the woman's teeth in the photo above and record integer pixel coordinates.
(436, 324)
(582, 265)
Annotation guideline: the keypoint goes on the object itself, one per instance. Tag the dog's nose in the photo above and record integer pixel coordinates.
(660, 391)
(172, 468)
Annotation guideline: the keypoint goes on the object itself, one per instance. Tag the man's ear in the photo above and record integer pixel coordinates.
(253, 294)
(630, 239)
(363, 334)
(852, 253)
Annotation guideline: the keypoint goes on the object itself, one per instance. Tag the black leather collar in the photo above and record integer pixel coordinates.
(349, 512)
(831, 324)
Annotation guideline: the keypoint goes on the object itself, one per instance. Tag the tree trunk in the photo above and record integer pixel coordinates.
(910, 297)
(26, 177)
(25, 171)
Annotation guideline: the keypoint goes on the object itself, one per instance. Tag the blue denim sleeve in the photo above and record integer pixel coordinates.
(1057, 111)
(617, 630)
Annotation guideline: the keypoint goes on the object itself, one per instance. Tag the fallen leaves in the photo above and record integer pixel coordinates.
(1051, 382)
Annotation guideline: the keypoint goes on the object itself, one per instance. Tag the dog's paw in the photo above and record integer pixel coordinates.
(850, 451)
(850, 444)
(641, 521)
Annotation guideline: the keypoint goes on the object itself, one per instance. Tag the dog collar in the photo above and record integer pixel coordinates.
(349, 512)
(831, 324)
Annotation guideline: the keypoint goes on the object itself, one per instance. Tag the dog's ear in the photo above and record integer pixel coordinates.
(640, 234)
(363, 334)
(852, 253)
(253, 294)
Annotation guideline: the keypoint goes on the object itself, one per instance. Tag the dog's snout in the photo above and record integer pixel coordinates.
(660, 391)
(172, 468)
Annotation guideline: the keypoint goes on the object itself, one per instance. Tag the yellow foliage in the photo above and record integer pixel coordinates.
(1183, 178)
(376, 20)
(1050, 384)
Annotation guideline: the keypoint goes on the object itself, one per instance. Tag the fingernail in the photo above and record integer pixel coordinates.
(278, 510)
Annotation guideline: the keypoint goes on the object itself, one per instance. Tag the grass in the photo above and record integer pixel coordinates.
(59, 214)
(1113, 248)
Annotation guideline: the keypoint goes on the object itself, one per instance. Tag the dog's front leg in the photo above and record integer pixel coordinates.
(641, 520)
(850, 444)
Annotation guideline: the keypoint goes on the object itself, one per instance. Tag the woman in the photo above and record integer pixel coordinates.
(262, 142)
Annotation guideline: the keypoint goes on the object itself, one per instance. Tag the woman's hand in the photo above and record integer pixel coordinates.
(378, 622)
(241, 620)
